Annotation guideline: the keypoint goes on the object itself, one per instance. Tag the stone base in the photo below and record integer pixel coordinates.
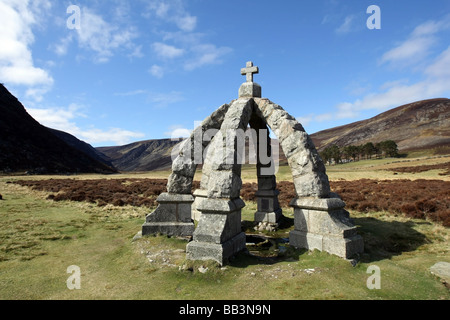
(272, 217)
(323, 224)
(218, 235)
(172, 216)
(173, 229)
(341, 247)
(213, 251)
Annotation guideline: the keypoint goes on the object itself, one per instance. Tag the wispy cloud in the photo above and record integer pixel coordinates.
(346, 26)
(185, 43)
(433, 71)
(65, 119)
(167, 51)
(417, 46)
(162, 100)
(157, 71)
(102, 37)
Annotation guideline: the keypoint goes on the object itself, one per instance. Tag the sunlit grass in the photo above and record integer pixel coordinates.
(41, 238)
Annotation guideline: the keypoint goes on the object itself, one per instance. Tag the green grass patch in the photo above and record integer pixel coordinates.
(40, 239)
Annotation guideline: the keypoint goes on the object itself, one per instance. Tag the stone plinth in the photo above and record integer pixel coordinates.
(268, 206)
(325, 225)
(218, 235)
(250, 90)
(172, 216)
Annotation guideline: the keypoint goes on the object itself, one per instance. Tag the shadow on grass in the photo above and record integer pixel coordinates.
(385, 239)
(382, 240)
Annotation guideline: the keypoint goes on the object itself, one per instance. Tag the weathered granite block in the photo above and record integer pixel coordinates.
(171, 217)
(218, 235)
(325, 225)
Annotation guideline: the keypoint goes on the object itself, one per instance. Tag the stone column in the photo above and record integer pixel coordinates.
(325, 225)
(218, 235)
(267, 195)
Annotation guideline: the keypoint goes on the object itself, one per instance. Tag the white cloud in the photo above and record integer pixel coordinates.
(205, 54)
(173, 11)
(64, 119)
(177, 131)
(346, 26)
(104, 38)
(188, 45)
(418, 44)
(16, 61)
(115, 135)
(305, 120)
(410, 51)
(441, 66)
(157, 71)
(166, 51)
(131, 93)
(187, 23)
(162, 100)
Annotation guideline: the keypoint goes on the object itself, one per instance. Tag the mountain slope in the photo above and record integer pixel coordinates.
(420, 125)
(141, 156)
(26, 145)
(415, 126)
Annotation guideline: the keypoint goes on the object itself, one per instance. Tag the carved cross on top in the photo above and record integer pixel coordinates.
(249, 71)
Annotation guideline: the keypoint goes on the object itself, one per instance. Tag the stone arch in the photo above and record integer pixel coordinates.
(320, 219)
(308, 169)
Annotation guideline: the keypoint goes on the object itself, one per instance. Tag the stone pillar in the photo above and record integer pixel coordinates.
(325, 225)
(267, 200)
(218, 235)
(172, 216)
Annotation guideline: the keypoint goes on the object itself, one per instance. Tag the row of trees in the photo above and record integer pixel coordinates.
(336, 154)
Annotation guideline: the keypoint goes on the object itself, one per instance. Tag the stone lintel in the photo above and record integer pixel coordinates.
(174, 197)
(326, 204)
(200, 193)
(211, 205)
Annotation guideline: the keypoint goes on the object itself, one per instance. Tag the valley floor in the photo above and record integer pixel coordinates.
(41, 238)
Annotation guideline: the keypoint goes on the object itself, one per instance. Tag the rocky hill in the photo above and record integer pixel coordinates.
(145, 155)
(26, 145)
(415, 126)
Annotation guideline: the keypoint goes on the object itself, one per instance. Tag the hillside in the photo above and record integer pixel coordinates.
(141, 156)
(415, 126)
(26, 145)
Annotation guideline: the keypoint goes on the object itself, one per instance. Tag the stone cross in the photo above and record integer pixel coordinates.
(249, 71)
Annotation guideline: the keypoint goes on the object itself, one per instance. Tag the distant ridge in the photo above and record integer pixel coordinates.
(145, 155)
(415, 126)
(26, 145)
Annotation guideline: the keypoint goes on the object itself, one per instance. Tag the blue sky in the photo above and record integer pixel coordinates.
(138, 70)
